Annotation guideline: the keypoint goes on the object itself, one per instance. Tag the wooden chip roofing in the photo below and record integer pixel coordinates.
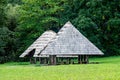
(70, 42)
(40, 43)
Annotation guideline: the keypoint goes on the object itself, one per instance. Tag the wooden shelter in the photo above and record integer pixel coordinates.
(70, 42)
(35, 49)
(37, 46)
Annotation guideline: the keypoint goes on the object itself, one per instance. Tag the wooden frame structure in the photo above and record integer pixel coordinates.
(70, 42)
(53, 60)
(67, 43)
(38, 45)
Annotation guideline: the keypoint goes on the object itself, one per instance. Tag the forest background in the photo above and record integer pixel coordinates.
(23, 21)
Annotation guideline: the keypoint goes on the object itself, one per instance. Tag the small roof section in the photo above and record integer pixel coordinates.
(40, 43)
(69, 41)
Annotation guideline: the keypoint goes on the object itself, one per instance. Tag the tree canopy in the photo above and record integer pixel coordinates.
(22, 21)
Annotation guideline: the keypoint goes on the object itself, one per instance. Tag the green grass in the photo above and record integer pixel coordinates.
(107, 69)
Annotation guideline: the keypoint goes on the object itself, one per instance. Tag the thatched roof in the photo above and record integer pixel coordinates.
(39, 44)
(69, 41)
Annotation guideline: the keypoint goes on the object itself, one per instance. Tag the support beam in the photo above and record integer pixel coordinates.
(87, 59)
(83, 58)
(72, 60)
(79, 59)
(62, 60)
(57, 60)
(35, 60)
(69, 60)
(40, 60)
(52, 59)
(45, 61)
(30, 60)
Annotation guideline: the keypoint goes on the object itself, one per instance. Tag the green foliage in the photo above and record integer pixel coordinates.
(112, 36)
(2, 12)
(6, 44)
(36, 16)
(2, 25)
(7, 37)
(12, 16)
(14, 2)
(98, 20)
(22, 21)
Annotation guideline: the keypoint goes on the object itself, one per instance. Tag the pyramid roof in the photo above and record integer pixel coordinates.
(69, 41)
(39, 44)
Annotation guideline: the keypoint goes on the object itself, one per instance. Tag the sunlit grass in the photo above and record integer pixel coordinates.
(107, 69)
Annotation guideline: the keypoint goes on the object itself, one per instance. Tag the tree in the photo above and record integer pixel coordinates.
(36, 16)
(96, 19)
(2, 24)
(6, 44)
(2, 12)
(7, 37)
(12, 16)
(14, 2)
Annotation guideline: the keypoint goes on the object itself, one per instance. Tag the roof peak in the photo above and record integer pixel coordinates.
(68, 23)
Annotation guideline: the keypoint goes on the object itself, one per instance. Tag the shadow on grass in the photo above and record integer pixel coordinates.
(16, 63)
(40, 65)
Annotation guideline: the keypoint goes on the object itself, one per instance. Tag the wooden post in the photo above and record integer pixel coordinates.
(83, 59)
(79, 59)
(72, 60)
(44, 60)
(35, 60)
(69, 59)
(40, 60)
(87, 60)
(52, 59)
(30, 60)
(62, 60)
(55, 61)
(47, 60)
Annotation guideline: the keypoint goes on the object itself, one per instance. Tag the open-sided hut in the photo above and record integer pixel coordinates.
(70, 42)
(38, 45)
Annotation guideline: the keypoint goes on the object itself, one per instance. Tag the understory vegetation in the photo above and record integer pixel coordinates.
(22, 21)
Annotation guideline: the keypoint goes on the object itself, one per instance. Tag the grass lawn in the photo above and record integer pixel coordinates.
(107, 69)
